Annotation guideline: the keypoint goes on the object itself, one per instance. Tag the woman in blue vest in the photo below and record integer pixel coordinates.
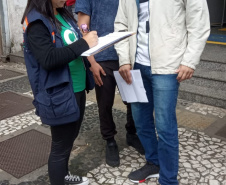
(58, 78)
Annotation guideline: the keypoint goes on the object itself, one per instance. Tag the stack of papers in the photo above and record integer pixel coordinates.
(107, 41)
(134, 92)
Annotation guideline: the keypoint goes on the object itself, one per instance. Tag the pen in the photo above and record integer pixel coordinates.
(84, 28)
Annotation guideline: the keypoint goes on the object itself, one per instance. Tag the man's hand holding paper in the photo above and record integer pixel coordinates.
(125, 73)
(134, 91)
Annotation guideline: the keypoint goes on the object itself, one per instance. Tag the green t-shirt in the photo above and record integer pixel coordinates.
(77, 68)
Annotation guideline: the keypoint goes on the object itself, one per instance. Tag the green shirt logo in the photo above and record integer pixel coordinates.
(69, 36)
(77, 70)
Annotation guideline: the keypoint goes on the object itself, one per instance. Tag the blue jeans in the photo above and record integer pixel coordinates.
(162, 92)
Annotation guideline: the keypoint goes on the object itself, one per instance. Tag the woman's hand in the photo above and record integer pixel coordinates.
(91, 38)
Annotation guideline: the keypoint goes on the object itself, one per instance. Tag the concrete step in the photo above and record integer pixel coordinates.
(213, 58)
(209, 96)
(210, 79)
(212, 65)
(208, 85)
(214, 53)
(17, 57)
(211, 74)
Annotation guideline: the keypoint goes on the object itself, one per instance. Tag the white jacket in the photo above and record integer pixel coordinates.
(178, 33)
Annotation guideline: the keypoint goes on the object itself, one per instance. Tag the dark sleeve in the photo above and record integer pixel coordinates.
(44, 51)
(83, 6)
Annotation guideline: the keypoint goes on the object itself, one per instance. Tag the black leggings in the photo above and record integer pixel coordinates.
(63, 137)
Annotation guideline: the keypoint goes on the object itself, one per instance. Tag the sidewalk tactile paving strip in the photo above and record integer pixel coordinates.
(194, 121)
(5, 74)
(12, 104)
(24, 153)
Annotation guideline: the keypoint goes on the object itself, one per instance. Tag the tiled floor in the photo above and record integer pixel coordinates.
(202, 162)
(202, 158)
(21, 121)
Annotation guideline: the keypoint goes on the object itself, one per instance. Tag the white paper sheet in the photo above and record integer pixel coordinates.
(134, 92)
(107, 41)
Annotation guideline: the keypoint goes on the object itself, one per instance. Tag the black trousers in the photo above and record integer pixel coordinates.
(105, 96)
(63, 137)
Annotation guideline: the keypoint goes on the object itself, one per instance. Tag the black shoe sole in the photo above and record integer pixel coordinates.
(141, 181)
(113, 163)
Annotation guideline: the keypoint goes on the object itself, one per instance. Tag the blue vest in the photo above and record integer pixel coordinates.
(54, 98)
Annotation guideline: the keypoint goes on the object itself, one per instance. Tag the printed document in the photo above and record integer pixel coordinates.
(107, 41)
(134, 92)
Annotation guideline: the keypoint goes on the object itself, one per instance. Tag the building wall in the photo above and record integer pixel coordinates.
(15, 13)
(1, 50)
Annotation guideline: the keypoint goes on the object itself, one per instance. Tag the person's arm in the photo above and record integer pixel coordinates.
(83, 19)
(122, 48)
(84, 10)
(50, 57)
(198, 29)
(96, 69)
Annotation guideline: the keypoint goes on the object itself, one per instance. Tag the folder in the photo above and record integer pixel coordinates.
(107, 41)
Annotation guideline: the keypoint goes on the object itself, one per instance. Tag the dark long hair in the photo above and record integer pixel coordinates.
(45, 7)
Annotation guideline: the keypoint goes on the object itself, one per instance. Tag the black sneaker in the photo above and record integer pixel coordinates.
(112, 154)
(148, 171)
(134, 141)
(75, 180)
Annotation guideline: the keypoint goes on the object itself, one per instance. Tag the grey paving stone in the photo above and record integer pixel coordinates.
(20, 85)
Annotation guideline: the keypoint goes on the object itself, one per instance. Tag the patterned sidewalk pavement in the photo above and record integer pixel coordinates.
(202, 151)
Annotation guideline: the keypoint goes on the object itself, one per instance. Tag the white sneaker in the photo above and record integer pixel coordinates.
(75, 180)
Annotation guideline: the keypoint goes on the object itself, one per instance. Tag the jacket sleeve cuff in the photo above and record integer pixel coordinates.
(79, 47)
(188, 65)
(123, 60)
(124, 63)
